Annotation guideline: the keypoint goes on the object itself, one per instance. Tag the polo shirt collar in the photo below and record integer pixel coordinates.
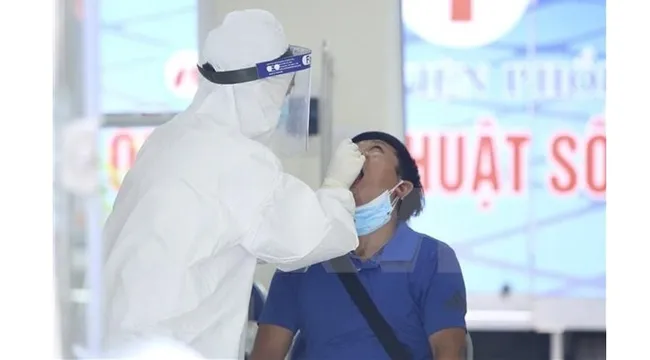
(401, 248)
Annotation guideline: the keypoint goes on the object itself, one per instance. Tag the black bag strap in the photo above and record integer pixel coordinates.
(383, 331)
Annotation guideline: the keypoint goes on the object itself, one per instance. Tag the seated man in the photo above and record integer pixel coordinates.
(414, 280)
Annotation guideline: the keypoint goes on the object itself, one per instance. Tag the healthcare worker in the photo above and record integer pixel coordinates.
(207, 197)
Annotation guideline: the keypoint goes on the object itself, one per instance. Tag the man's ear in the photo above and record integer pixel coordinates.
(404, 189)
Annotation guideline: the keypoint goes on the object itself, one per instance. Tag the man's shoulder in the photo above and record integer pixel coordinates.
(315, 272)
(432, 249)
(299, 272)
(428, 243)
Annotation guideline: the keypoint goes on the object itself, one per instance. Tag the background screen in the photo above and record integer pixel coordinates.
(117, 149)
(148, 55)
(504, 113)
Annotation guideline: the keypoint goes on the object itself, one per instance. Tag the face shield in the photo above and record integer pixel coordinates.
(292, 133)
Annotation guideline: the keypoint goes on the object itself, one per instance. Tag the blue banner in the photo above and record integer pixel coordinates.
(148, 55)
(504, 106)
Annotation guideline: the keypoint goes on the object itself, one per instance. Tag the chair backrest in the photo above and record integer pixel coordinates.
(258, 298)
(255, 306)
(297, 346)
(469, 346)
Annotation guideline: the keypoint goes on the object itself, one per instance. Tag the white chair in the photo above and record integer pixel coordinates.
(258, 298)
(469, 347)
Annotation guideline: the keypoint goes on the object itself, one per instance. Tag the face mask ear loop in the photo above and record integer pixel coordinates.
(395, 187)
(394, 202)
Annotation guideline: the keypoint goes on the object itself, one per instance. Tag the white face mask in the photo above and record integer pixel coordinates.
(369, 217)
(270, 137)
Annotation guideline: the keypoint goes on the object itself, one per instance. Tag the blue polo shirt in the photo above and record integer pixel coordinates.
(415, 281)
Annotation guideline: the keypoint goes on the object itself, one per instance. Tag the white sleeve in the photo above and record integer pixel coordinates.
(155, 274)
(299, 227)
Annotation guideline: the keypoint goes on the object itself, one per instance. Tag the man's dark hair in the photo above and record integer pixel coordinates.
(413, 203)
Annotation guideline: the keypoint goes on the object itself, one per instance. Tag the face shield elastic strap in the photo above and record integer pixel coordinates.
(242, 75)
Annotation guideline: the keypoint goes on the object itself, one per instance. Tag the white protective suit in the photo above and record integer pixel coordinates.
(206, 198)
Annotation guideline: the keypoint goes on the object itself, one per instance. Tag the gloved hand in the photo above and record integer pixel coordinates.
(345, 166)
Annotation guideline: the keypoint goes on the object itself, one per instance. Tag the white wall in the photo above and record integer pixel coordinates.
(364, 39)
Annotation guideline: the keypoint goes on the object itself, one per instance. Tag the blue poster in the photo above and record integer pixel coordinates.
(504, 106)
(148, 55)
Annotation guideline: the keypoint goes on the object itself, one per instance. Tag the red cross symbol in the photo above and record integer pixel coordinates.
(461, 10)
